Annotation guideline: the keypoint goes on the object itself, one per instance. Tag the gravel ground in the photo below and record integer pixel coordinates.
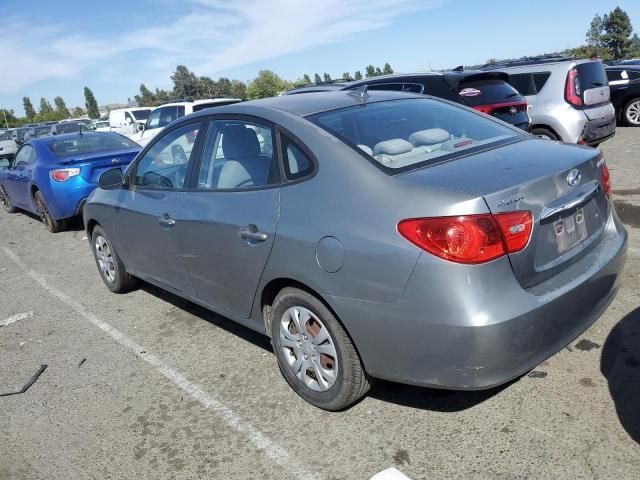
(146, 385)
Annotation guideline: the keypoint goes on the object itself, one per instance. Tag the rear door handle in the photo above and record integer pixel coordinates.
(251, 233)
(166, 221)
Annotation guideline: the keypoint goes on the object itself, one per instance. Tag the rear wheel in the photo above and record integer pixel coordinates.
(544, 133)
(6, 201)
(631, 113)
(53, 225)
(315, 355)
(111, 268)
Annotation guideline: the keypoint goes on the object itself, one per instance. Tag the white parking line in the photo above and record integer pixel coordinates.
(259, 440)
(15, 318)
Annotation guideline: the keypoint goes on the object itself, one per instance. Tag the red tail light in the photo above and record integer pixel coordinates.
(606, 180)
(64, 174)
(470, 239)
(572, 88)
(489, 109)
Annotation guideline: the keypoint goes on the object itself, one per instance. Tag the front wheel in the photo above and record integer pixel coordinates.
(6, 201)
(53, 225)
(631, 113)
(111, 268)
(315, 355)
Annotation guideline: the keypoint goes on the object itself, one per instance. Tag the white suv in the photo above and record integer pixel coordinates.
(8, 147)
(165, 114)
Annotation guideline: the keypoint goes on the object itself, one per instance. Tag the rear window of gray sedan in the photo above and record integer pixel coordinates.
(401, 135)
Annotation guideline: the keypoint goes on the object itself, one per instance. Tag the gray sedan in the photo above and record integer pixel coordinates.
(370, 235)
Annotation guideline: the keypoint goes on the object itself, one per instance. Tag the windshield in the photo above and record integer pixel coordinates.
(141, 114)
(44, 130)
(90, 143)
(404, 134)
(68, 127)
(4, 136)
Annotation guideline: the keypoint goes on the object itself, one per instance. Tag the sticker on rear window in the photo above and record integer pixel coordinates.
(470, 92)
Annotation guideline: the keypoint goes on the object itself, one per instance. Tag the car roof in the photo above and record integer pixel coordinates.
(199, 102)
(310, 103)
(65, 136)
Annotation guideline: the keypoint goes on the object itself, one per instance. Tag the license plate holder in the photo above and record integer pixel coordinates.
(570, 231)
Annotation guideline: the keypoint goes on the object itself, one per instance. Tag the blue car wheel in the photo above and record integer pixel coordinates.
(53, 225)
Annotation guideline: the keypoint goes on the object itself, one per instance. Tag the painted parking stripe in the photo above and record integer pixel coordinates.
(15, 318)
(259, 440)
(390, 474)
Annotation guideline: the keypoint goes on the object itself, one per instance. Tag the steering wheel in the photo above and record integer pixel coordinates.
(179, 155)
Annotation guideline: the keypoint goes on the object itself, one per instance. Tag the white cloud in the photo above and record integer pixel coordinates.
(212, 35)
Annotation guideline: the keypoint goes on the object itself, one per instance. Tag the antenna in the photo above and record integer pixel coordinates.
(360, 93)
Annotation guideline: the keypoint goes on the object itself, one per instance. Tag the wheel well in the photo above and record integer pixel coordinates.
(34, 189)
(90, 226)
(546, 127)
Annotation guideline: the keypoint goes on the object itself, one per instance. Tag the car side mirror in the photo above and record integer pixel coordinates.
(112, 179)
(140, 127)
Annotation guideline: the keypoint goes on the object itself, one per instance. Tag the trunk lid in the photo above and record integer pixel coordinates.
(92, 166)
(569, 209)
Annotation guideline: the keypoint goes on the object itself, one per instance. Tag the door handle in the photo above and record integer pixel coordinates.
(251, 233)
(166, 221)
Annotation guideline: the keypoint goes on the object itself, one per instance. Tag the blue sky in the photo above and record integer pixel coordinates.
(56, 48)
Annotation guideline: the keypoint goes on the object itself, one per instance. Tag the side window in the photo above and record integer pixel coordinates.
(128, 118)
(523, 83)
(437, 86)
(297, 163)
(153, 121)
(26, 156)
(412, 87)
(237, 154)
(165, 163)
(397, 87)
(167, 115)
(180, 111)
(540, 78)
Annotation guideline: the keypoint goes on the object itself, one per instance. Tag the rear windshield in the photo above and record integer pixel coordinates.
(90, 143)
(68, 127)
(42, 130)
(487, 92)
(141, 114)
(404, 134)
(591, 75)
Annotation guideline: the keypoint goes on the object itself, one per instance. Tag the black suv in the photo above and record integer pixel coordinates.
(488, 92)
(624, 83)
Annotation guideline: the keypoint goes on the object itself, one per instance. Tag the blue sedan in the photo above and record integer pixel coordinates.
(53, 176)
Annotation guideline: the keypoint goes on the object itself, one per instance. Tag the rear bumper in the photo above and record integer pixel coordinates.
(68, 200)
(597, 131)
(481, 329)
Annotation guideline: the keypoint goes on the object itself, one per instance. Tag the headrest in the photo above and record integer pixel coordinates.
(429, 137)
(394, 146)
(239, 141)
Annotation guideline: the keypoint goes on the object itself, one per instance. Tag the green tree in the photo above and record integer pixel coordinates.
(162, 96)
(61, 108)
(378, 72)
(635, 46)
(370, 71)
(78, 112)
(387, 70)
(357, 75)
(223, 87)
(29, 111)
(8, 119)
(90, 103)
(317, 79)
(146, 97)
(306, 79)
(594, 34)
(327, 77)
(207, 87)
(266, 84)
(45, 107)
(617, 32)
(238, 89)
(185, 82)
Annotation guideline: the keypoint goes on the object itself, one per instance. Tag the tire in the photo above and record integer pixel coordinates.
(544, 133)
(327, 390)
(111, 269)
(51, 224)
(631, 113)
(6, 201)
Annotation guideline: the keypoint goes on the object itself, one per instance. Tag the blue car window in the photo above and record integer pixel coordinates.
(26, 156)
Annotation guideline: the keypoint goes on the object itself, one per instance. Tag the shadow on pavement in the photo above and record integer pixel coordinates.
(620, 364)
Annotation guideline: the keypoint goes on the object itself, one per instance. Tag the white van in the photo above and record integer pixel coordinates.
(126, 120)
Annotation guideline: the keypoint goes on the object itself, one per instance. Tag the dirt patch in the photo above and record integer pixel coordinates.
(628, 213)
(586, 345)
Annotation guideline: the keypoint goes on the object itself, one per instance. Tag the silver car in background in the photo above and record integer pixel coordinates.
(569, 100)
(370, 235)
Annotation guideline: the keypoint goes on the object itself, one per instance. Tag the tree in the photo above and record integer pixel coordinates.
(223, 87)
(91, 103)
(266, 84)
(327, 77)
(317, 79)
(346, 77)
(146, 97)
(594, 34)
(185, 83)
(238, 89)
(29, 111)
(617, 32)
(378, 72)
(357, 75)
(387, 70)
(45, 107)
(370, 71)
(8, 118)
(162, 96)
(306, 79)
(207, 87)
(61, 107)
(78, 112)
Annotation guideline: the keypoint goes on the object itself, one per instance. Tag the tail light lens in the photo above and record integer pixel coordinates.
(64, 174)
(489, 109)
(606, 180)
(572, 88)
(470, 239)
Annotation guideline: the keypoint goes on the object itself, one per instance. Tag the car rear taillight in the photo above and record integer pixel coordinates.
(606, 180)
(513, 107)
(64, 174)
(572, 88)
(470, 239)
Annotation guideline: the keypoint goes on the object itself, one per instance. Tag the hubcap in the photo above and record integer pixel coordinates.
(633, 113)
(308, 349)
(105, 259)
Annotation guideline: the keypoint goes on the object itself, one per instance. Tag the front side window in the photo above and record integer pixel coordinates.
(167, 115)
(165, 164)
(26, 156)
(237, 155)
(404, 134)
(153, 121)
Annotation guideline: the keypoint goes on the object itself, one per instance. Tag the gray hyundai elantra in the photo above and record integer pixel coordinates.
(370, 235)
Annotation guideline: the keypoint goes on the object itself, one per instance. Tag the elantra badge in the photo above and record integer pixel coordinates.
(574, 177)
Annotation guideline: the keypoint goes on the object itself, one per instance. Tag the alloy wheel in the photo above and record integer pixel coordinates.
(105, 259)
(308, 348)
(632, 113)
